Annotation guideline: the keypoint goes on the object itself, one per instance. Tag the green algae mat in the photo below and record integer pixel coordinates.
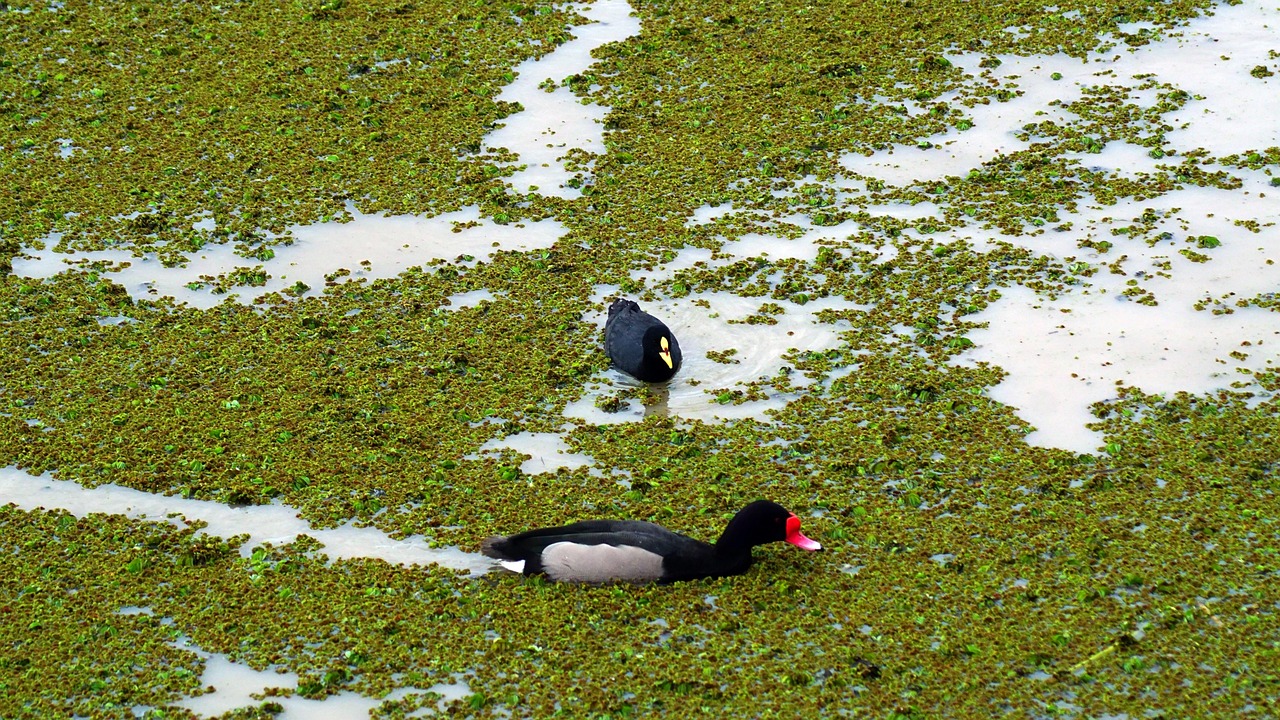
(966, 572)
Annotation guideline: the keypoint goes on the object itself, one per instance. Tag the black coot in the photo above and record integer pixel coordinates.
(638, 344)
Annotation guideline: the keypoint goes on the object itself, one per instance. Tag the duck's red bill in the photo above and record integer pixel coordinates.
(797, 538)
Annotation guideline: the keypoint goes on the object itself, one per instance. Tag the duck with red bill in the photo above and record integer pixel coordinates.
(599, 551)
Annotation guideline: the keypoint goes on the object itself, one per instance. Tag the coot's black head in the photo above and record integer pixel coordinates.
(764, 522)
(661, 355)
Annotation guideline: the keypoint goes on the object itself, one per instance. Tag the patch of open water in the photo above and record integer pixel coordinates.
(555, 120)
(276, 523)
(1041, 342)
(235, 685)
(548, 452)
(369, 246)
(1066, 353)
(715, 323)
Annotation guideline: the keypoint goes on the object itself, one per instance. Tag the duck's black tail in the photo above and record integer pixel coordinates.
(496, 547)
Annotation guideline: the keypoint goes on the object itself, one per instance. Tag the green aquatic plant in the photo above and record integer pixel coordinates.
(377, 416)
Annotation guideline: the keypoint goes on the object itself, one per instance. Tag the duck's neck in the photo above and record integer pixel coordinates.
(707, 560)
(733, 542)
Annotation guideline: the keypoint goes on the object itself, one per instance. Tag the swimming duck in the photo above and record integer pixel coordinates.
(598, 551)
(638, 344)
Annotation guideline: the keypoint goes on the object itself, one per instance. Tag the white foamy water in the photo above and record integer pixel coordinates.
(370, 247)
(555, 122)
(276, 523)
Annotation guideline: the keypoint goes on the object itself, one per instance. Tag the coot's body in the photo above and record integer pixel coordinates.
(639, 344)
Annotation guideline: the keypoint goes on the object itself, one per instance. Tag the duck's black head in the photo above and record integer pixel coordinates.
(661, 355)
(764, 522)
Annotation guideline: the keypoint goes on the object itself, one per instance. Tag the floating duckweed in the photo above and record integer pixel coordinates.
(376, 417)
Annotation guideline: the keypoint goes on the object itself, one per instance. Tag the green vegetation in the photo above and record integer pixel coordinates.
(1137, 580)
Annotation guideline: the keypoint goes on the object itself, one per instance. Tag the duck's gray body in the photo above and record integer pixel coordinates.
(599, 551)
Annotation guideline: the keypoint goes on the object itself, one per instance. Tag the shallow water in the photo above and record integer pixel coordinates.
(715, 322)
(375, 246)
(277, 523)
(548, 452)
(236, 685)
(552, 123)
(370, 246)
(1061, 353)
(1068, 352)
(1064, 354)
(1061, 363)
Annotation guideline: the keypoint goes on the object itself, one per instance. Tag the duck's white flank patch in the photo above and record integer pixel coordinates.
(572, 562)
(515, 566)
